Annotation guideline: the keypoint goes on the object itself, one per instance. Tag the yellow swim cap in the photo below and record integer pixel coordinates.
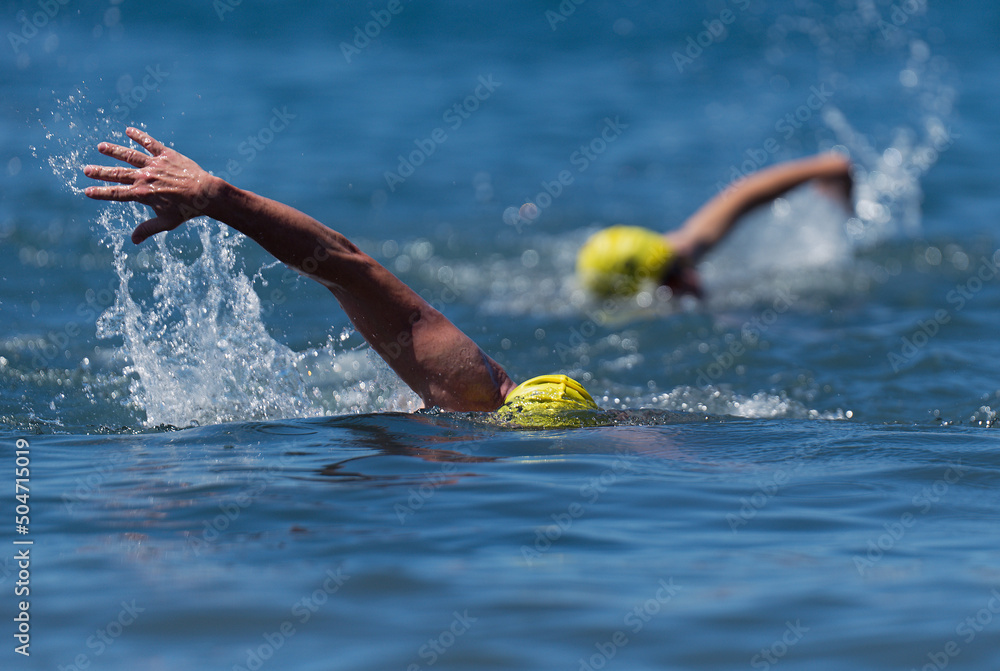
(615, 261)
(549, 402)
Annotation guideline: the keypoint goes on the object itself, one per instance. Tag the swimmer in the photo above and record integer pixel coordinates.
(616, 261)
(441, 364)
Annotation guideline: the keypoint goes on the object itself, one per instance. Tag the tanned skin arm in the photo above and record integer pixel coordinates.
(710, 224)
(431, 355)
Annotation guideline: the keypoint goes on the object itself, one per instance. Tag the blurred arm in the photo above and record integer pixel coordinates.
(710, 224)
(431, 355)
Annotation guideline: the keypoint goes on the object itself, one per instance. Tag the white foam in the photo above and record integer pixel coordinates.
(760, 405)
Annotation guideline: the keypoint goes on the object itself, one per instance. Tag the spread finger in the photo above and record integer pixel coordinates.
(130, 156)
(120, 193)
(110, 174)
(154, 147)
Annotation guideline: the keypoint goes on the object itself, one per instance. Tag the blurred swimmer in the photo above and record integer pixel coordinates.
(617, 261)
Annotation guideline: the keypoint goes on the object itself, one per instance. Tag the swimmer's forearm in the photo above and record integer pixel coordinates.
(771, 183)
(291, 236)
(431, 355)
(710, 224)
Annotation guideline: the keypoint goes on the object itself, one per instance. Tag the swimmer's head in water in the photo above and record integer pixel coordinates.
(617, 260)
(549, 402)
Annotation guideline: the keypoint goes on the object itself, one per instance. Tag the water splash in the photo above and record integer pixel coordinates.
(720, 402)
(194, 348)
(69, 138)
(887, 179)
(916, 107)
(888, 191)
(197, 350)
(797, 246)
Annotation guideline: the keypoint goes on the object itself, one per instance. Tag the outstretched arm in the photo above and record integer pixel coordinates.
(439, 362)
(710, 224)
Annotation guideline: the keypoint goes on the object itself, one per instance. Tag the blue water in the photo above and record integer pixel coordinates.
(222, 476)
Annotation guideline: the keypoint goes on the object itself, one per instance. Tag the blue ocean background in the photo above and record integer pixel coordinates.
(804, 470)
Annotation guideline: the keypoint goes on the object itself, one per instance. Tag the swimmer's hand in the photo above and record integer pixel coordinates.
(173, 185)
(835, 179)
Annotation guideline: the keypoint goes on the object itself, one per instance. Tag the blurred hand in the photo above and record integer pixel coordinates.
(172, 184)
(837, 182)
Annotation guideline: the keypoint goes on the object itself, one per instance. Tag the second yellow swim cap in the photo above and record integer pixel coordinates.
(549, 402)
(617, 260)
